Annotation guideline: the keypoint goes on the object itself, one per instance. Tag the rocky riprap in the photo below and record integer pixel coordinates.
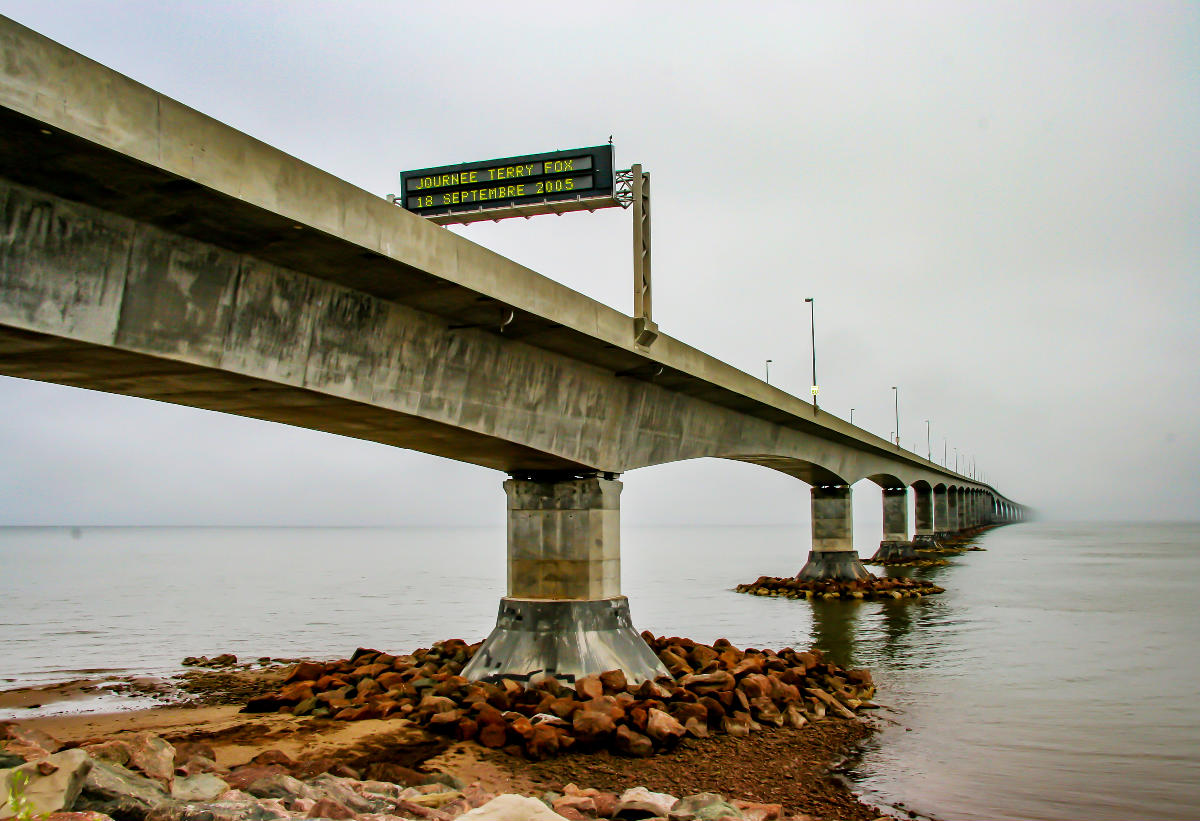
(712, 689)
(919, 561)
(142, 777)
(873, 588)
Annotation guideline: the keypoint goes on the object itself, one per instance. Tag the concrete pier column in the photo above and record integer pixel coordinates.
(923, 536)
(833, 555)
(954, 511)
(895, 545)
(941, 512)
(564, 615)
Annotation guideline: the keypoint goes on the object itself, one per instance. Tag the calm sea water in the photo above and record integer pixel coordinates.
(1057, 678)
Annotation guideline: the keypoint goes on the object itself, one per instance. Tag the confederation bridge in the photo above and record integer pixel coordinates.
(149, 250)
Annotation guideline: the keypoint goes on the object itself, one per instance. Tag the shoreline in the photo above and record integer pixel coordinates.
(789, 767)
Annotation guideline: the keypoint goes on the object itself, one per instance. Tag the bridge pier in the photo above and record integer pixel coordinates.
(924, 535)
(895, 546)
(564, 615)
(833, 555)
(941, 513)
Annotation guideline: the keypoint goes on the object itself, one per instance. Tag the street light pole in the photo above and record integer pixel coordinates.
(956, 460)
(928, 446)
(769, 361)
(812, 330)
(852, 416)
(896, 392)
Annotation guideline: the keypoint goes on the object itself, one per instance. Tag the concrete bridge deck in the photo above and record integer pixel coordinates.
(149, 250)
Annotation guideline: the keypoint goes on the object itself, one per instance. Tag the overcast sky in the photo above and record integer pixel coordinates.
(995, 205)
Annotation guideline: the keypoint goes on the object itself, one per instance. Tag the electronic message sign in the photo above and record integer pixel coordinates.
(550, 183)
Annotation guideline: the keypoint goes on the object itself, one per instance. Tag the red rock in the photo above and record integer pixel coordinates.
(564, 707)
(582, 804)
(681, 712)
(696, 727)
(305, 671)
(716, 710)
(704, 683)
(764, 710)
(390, 680)
(663, 728)
(446, 718)
(243, 777)
(752, 663)
(633, 743)
(861, 678)
(522, 727)
(493, 735)
(737, 724)
(329, 808)
(589, 687)
(614, 681)
(730, 657)
(793, 716)
(369, 686)
(273, 757)
(467, 729)
(754, 685)
(700, 655)
(116, 751)
(372, 670)
(652, 689)
(544, 741)
(436, 704)
(785, 693)
(590, 725)
(676, 664)
(297, 691)
(753, 811)
(152, 756)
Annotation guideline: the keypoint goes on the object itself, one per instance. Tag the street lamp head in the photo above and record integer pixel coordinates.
(808, 299)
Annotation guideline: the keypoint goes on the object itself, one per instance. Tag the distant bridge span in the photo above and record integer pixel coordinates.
(149, 250)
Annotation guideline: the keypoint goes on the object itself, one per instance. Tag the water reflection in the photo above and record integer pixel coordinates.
(834, 624)
(857, 633)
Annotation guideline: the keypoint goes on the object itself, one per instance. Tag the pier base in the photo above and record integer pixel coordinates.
(894, 551)
(833, 555)
(564, 615)
(537, 638)
(837, 566)
(924, 541)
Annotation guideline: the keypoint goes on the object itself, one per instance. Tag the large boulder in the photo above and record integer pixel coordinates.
(198, 788)
(153, 756)
(28, 743)
(48, 785)
(114, 790)
(705, 806)
(639, 802)
(509, 807)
